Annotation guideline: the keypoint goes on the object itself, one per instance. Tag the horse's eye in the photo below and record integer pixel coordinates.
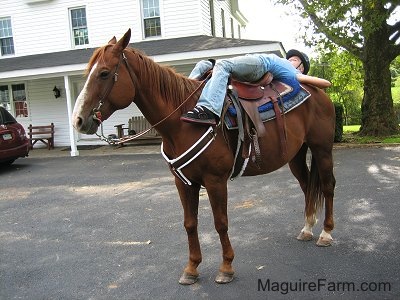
(104, 74)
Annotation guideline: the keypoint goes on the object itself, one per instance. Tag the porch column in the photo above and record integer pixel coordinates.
(72, 137)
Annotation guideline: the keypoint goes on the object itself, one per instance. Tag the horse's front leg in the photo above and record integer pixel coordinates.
(189, 196)
(217, 193)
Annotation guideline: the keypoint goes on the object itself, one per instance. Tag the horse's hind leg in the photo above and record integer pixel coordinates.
(324, 161)
(323, 186)
(189, 196)
(299, 169)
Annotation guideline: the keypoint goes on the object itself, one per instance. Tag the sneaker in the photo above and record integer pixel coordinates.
(201, 115)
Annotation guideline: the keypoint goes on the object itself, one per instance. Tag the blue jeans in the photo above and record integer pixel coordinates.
(248, 68)
(201, 68)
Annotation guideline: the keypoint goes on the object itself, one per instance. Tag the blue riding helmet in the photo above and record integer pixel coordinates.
(303, 57)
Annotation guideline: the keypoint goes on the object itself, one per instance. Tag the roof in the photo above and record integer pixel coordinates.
(150, 48)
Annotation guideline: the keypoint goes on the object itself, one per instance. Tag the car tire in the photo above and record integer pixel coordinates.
(6, 163)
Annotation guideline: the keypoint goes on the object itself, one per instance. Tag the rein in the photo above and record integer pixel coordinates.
(98, 117)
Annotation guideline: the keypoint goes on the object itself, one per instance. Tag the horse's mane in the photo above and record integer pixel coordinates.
(164, 79)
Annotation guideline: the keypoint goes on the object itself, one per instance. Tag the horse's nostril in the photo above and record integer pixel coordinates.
(78, 122)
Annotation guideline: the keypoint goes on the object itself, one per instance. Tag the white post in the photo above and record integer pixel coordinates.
(72, 137)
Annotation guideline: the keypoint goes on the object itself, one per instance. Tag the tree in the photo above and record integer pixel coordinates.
(362, 28)
(345, 73)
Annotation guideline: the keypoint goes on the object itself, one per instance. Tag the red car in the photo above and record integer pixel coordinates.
(13, 140)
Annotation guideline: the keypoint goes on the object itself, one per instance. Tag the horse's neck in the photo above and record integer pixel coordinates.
(163, 102)
(164, 113)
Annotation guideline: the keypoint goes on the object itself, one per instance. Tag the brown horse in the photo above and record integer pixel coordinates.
(118, 75)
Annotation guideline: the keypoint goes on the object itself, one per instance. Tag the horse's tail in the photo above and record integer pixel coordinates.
(314, 195)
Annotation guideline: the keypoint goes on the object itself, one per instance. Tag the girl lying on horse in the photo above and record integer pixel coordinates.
(251, 67)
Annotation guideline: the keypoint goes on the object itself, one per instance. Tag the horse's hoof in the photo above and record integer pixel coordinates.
(305, 236)
(324, 242)
(188, 279)
(224, 277)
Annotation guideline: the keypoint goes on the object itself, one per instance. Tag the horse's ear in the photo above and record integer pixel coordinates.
(124, 41)
(113, 41)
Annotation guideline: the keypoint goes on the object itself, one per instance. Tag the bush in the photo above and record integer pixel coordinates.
(396, 107)
(339, 122)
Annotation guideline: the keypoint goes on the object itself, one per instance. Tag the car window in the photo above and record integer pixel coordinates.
(6, 117)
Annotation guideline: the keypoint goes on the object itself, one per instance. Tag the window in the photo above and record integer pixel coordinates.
(6, 37)
(5, 97)
(223, 23)
(79, 28)
(151, 18)
(18, 104)
(232, 29)
(19, 99)
(211, 5)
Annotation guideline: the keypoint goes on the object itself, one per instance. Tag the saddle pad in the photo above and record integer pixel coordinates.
(266, 110)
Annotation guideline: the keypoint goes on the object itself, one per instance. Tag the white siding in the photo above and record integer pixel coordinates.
(225, 5)
(44, 27)
(187, 13)
(105, 20)
(45, 109)
(205, 18)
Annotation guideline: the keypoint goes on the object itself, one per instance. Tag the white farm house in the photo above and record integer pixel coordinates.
(46, 44)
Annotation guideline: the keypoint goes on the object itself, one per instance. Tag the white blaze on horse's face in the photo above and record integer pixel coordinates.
(78, 112)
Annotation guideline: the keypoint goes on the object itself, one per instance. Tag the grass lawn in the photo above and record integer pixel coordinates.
(350, 136)
(351, 128)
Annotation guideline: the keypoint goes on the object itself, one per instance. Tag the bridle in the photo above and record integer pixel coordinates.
(97, 113)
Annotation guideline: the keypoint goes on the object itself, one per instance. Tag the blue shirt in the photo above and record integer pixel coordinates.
(279, 67)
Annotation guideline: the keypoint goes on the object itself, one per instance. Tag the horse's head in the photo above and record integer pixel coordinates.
(102, 94)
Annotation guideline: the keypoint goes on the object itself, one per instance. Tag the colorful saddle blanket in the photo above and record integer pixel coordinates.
(266, 110)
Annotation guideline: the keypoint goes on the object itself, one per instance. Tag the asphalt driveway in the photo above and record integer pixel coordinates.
(110, 226)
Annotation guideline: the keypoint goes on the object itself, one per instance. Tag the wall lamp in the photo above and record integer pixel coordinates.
(57, 92)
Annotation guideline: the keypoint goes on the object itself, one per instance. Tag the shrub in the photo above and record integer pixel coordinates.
(396, 107)
(339, 122)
